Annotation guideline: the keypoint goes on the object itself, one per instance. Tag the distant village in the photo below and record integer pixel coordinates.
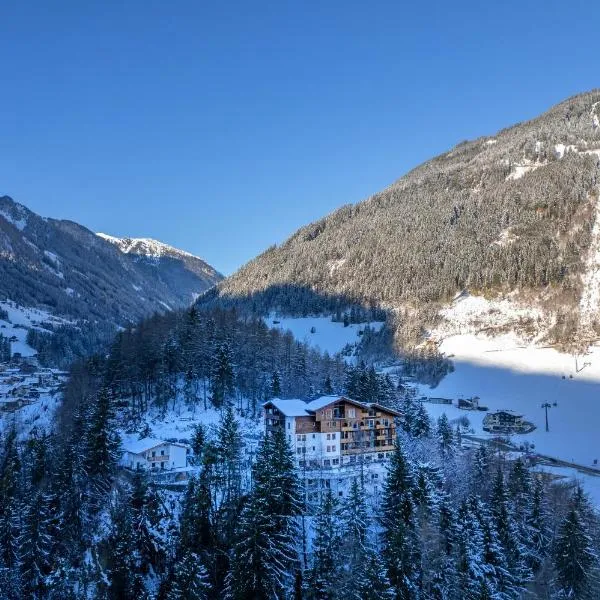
(23, 382)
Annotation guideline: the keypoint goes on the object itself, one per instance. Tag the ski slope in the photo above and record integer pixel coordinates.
(506, 374)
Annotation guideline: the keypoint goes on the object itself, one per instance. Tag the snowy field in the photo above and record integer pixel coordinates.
(328, 336)
(507, 376)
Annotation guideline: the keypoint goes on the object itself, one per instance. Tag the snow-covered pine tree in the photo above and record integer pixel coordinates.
(101, 452)
(326, 570)
(575, 559)
(36, 545)
(190, 580)
(372, 582)
(10, 475)
(400, 544)
(445, 436)
(229, 446)
(264, 558)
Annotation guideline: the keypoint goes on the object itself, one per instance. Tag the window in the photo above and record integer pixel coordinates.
(313, 436)
(341, 494)
(329, 413)
(162, 452)
(313, 448)
(153, 454)
(299, 437)
(328, 436)
(298, 450)
(336, 461)
(326, 462)
(154, 465)
(162, 465)
(351, 413)
(289, 425)
(301, 463)
(333, 448)
(333, 436)
(328, 448)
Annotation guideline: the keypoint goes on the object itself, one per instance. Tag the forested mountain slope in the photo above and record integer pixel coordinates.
(71, 272)
(511, 214)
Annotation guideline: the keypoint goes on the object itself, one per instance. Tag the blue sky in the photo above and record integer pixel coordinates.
(221, 127)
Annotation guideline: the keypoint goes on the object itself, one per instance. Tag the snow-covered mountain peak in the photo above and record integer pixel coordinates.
(145, 247)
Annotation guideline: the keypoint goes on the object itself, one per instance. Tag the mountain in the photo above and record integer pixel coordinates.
(71, 272)
(511, 218)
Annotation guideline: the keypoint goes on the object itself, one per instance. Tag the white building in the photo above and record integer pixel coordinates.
(335, 440)
(154, 455)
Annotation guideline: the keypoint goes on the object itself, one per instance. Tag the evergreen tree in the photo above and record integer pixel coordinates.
(102, 446)
(445, 436)
(190, 580)
(575, 560)
(326, 564)
(35, 546)
(372, 582)
(10, 474)
(221, 376)
(275, 391)
(399, 528)
(229, 446)
(264, 556)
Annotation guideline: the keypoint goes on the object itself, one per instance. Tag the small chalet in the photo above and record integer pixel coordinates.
(152, 454)
(506, 421)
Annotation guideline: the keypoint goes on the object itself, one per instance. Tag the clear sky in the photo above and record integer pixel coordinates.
(221, 127)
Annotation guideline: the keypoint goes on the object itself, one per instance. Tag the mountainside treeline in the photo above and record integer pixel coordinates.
(513, 212)
(218, 357)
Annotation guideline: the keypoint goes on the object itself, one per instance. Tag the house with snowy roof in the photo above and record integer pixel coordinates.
(153, 454)
(333, 431)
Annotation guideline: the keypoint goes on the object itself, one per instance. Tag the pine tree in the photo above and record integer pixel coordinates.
(229, 446)
(190, 580)
(221, 375)
(35, 546)
(275, 391)
(445, 436)
(575, 560)
(326, 564)
(102, 446)
(399, 528)
(372, 582)
(10, 473)
(264, 556)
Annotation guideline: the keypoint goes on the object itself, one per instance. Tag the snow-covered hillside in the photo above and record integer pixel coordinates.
(321, 332)
(20, 320)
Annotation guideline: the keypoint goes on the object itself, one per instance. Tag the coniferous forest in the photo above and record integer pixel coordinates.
(450, 522)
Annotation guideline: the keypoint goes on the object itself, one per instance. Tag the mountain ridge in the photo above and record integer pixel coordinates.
(507, 215)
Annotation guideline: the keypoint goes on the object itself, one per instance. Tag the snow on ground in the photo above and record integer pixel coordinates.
(590, 483)
(329, 336)
(469, 314)
(20, 320)
(19, 223)
(508, 375)
(590, 297)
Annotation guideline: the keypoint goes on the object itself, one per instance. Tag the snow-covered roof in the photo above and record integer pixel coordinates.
(139, 446)
(507, 411)
(290, 408)
(319, 403)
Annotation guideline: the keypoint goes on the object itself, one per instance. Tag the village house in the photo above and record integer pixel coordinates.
(152, 454)
(506, 421)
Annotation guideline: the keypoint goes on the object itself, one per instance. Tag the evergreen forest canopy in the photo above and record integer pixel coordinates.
(449, 523)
